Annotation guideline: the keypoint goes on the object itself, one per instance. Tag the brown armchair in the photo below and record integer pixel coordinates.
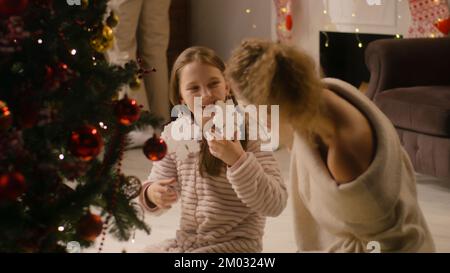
(410, 83)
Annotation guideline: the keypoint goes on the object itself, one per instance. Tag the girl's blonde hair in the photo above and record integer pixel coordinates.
(208, 163)
(269, 73)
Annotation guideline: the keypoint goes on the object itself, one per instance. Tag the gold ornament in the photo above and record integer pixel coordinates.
(115, 97)
(112, 20)
(103, 41)
(107, 33)
(100, 45)
(84, 4)
(135, 84)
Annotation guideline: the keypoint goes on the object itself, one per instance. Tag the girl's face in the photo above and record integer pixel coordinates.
(202, 80)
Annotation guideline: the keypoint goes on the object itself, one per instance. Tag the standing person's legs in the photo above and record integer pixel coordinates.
(153, 41)
(125, 32)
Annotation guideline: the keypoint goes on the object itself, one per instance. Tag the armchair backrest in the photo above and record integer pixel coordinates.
(395, 63)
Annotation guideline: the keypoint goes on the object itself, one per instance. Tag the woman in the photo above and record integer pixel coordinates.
(352, 182)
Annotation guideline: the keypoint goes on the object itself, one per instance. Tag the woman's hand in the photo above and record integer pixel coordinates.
(162, 193)
(229, 151)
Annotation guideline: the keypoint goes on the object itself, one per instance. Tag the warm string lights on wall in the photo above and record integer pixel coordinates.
(249, 11)
(285, 20)
(354, 14)
(327, 38)
(284, 24)
(360, 44)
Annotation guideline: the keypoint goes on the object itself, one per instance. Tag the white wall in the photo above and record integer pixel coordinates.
(392, 17)
(222, 24)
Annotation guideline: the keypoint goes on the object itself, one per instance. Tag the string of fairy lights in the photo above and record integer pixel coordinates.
(286, 27)
(359, 42)
(284, 21)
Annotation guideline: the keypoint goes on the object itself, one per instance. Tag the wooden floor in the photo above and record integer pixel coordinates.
(434, 199)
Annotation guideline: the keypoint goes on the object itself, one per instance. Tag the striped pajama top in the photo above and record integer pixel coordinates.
(225, 213)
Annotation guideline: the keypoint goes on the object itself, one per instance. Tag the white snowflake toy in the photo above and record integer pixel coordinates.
(179, 139)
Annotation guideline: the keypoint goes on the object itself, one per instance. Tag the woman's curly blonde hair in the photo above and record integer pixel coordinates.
(268, 73)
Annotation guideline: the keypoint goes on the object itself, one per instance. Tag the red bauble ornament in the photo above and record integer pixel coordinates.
(443, 26)
(5, 117)
(12, 185)
(289, 22)
(86, 142)
(155, 148)
(127, 111)
(12, 7)
(90, 227)
(56, 76)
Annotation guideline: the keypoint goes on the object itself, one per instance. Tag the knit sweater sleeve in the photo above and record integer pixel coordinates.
(257, 180)
(161, 170)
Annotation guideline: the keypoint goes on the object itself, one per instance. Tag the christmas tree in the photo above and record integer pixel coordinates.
(63, 129)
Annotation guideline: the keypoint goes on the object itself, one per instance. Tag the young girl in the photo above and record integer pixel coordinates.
(228, 187)
(353, 185)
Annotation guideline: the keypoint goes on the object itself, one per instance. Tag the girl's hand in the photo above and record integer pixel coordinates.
(229, 151)
(162, 193)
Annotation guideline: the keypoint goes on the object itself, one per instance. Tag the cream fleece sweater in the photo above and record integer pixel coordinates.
(380, 205)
